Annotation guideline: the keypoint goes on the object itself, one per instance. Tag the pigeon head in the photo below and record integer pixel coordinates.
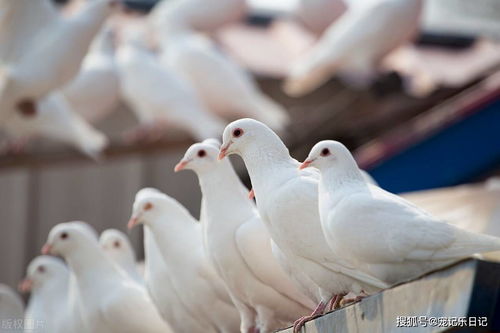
(66, 238)
(147, 206)
(86, 228)
(115, 243)
(240, 134)
(329, 153)
(41, 270)
(200, 156)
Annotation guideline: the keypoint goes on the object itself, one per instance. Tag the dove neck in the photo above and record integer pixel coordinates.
(333, 178)
(176, 234)
(89, 259)
(268, 163)
(221, 187)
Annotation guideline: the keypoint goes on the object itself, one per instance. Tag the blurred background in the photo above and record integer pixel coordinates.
(428, 123)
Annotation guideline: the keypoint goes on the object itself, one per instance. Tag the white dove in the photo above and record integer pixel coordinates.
(287, 200)
(239, 245)
(160, 97)
(56, 120)
(95, 92)
(178, 237)
(76, 322)
(40, 50)
(110, 300)
(383, 234)
(158, 282)
(222, 84)
(317, 15)
(47, 279)
(118, 247)
(354, 45)
(11, 309)
(171, 15)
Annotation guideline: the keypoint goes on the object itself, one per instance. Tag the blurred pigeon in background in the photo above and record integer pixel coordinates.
(41, 50)
(353, 46)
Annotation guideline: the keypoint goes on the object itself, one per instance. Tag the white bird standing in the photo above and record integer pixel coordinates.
(287, 200)
(159, 97)
(111, 301)
(11, 308)
(354, 45)
(239, 245)
(381, 233)
(118, 247)
(221, 83)
(95, 92)
(159, 283)
(56, 120)
(196, 14)
(41, 50)
(178, 237)
(47, 279)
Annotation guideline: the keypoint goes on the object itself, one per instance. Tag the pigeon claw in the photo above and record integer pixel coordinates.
(299, 323)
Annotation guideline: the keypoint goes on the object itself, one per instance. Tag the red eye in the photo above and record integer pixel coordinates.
(41, 269)
(148, 206)
(237, 132)
(202, 153)
(64, 235)
(325, 152)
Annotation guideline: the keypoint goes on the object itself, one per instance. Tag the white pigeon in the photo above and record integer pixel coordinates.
(56, 120)
(159, 97)
(317, 15)
(287, 200)
(75, 321)
(110, 300)
(47, 279)
(221, 83)
(40, 50)
(177, 235)
(171, 15)
(159, 284)
(381, 233)
(239, 245)
(354, 45)
(118, 247)
(11, 310)
(95, 92)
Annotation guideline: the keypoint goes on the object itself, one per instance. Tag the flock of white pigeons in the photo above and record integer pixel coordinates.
(63, 70)
(319, 235)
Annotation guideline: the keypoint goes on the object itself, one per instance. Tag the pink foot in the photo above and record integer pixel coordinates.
(16, 146)
(334, 302)
(297, 325)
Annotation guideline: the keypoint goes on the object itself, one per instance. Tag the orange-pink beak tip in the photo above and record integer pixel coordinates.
(223, 152)
(25, 285)
(180, 166)
(46, 249)
(251, 194)
(305, 164)
(132, 223)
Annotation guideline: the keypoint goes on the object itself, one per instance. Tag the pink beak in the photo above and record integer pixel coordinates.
(181, 165)
(132, 222)
(25, 285)
(251, 194)
(47, 249)
(305, 164)
(223, 151)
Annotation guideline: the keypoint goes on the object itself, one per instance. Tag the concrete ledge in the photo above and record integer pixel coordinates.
(457, 293)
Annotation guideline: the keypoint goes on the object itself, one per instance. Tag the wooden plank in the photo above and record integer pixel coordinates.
(467, 289)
